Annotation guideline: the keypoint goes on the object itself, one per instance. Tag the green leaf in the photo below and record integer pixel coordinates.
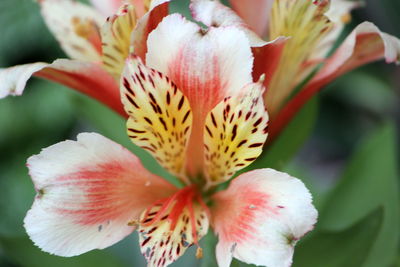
(24, 34)
(33, 257)
(369, 183)
(347, 248)
(208, 243)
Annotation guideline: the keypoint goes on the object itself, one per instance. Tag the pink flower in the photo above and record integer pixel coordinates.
(194, 106)
(300, 34)
(97, 47)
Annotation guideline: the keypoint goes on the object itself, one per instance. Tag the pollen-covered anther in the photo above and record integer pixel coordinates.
(172, 225)
(346, 18)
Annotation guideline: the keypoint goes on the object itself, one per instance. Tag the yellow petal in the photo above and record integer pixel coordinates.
(116, 35)
(235, 132)
(306, 25)
(160, 117)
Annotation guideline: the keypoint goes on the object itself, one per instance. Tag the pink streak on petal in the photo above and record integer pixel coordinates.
(88, 192)
(88, 78)
(244, 210)
(204, 92)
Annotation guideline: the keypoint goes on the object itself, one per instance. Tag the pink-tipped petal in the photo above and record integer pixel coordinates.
(365, 44)
(146, 24)
(88, 78)
(255, 13)
(206, 65)
(259, 218)
(75, 26)
(215, 14)
(88, 192)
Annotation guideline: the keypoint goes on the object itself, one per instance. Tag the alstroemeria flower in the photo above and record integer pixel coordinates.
(194, 106)
(311, 28)
(97, 46)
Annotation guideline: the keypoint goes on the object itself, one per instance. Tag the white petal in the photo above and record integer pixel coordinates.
(88, 191)
(85, 77)
(259, 218)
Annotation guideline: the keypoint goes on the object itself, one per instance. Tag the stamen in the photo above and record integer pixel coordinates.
(172, 225)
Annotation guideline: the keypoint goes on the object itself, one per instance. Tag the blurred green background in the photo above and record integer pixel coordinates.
(343, 145)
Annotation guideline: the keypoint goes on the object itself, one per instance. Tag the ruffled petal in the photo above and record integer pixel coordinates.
(88, 192)
(235, 132)
(169, 227)
(160, 118)
(146, 24)
(86, 77)
(260, 217)
(215, 14)
(116, 38)
(206, 65)
(256, 13)
(76, 27)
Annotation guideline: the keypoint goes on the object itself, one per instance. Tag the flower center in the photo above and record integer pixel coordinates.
(171, 225)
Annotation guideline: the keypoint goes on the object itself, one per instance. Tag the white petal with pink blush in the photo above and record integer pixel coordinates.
(88, 192)
(260, 217)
